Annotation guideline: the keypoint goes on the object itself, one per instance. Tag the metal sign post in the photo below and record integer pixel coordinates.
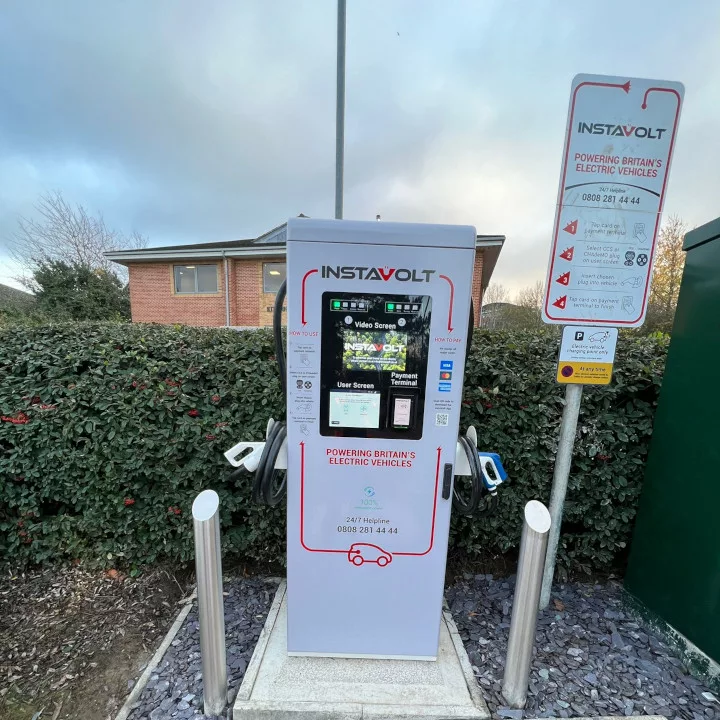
(563, 460)
(618, 147)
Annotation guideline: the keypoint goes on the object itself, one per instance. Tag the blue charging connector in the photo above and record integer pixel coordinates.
(492, 461)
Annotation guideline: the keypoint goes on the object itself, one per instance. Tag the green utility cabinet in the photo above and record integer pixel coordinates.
(674, 567)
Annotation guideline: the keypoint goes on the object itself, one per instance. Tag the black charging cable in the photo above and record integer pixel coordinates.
(478, 502)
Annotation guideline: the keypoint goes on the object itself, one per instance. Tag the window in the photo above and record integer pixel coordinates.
(196, 279)
(273, 276)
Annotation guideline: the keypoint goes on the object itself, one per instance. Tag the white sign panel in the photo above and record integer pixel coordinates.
(619, 142)
(588, 344)
(586, 355)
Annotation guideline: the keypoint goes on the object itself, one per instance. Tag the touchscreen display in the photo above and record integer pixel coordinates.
(355, 409)
(401, 413)
(374, 350)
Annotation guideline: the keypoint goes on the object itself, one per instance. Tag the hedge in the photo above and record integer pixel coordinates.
(109, 431)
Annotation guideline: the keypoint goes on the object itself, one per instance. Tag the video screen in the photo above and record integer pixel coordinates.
(355, 409)
(374, 350)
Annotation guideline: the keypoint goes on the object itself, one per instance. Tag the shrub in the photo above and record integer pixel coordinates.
(510, 395)
(109, 432)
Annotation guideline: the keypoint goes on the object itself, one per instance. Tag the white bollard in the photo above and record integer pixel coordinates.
(533, 546)
(211, 609)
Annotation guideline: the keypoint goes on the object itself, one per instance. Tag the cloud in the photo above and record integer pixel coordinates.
(192, 122)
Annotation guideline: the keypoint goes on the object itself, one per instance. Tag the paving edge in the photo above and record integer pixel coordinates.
(251, 672)
(469, 674)
(137, 690)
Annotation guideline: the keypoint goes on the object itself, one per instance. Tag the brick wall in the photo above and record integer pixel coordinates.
(153, 298)
(245, 292)
(267, 307)
(477, 286)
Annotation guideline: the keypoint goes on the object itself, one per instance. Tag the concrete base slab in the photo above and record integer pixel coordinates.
(279, 687)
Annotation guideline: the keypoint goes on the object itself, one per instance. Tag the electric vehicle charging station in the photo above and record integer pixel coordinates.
(377, 317)
(378, 324)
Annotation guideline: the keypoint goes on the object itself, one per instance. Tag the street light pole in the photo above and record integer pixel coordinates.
(340, 111)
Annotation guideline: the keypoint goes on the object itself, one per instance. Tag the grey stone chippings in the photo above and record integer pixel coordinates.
(592, 656)
(175, 688)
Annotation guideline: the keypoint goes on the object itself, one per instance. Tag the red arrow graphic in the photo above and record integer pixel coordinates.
(564, 279)
(625, 86)
(654, 89)
(561, 302)
(305, 277)
(452, 299)
(571, 227)
(568, 253)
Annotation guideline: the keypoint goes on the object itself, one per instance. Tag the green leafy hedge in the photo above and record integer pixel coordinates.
(108, 432)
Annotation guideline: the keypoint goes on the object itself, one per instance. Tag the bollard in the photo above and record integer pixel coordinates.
(211, 609)
(533, 546)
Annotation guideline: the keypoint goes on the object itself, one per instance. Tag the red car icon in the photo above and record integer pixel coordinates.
(360, 553)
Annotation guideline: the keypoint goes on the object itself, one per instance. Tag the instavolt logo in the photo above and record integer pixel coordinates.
(352, 272)
(627, 131)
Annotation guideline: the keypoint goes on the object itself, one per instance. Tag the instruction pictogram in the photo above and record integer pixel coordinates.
(571, 227)
(561, 302)
(564, 279)
(568, 253)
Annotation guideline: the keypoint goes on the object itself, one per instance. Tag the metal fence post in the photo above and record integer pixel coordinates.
(211, 609)
(533, 546)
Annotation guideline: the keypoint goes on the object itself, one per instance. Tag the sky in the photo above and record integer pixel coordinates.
(192, 122)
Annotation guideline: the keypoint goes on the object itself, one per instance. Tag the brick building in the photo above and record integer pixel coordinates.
(234, 283)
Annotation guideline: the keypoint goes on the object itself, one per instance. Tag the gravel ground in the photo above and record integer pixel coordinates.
(592, 656)
(175, 688)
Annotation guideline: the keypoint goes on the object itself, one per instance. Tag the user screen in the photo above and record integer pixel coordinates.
(374, 350)
(355, 409)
